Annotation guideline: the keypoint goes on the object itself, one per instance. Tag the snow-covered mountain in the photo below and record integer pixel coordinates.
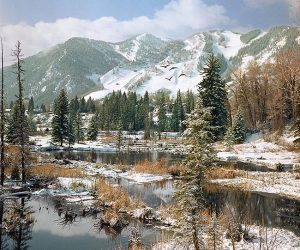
(87, 67)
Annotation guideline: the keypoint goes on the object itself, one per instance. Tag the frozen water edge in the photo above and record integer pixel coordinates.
(282, 184)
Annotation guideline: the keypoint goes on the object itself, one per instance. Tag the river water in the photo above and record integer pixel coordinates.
(50, 231)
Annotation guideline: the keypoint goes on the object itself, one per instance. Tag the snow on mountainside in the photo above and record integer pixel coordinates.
(94, 69)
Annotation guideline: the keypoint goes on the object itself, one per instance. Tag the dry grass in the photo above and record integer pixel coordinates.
(160, 167)
(115, 196)
(54, 170)
(168, 211)
(223, 173)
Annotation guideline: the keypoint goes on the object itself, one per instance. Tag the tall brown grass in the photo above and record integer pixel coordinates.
(159, 167)
(115, 196)
(54, 171)
(223, 173)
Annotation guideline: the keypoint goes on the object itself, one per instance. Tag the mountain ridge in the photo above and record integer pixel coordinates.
(92, 68)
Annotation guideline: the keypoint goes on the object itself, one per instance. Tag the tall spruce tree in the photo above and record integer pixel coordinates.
(162, 115)
(31, 105)
(60, 121)
(92, 131)
(238, 127)
(213, 94)
(79, 132)
(71, 129)
(189, 189)
(147, 119)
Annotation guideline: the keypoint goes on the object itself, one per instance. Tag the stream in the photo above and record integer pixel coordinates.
(49, 230)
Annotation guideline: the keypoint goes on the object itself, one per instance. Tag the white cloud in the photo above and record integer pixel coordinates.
(293, 5)
(176, 19)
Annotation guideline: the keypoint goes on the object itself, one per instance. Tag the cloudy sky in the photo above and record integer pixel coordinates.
(40, 24)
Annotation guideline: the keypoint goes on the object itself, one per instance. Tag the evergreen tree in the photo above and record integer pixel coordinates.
(31, 124)
(175, 119)
(119, 138)
(237, 132)
(178, 114)
(147, 119)
(190, 100)
(238, 127)
(74, 105)
(213, 94)
(162, 115)
(60, 121)
(215, 233)
(31, 105)
(229, 138)
(82, 105)
(189, 194)
(79, 132)
(43, 108)
(12, 134)
(71, 129)
(93, 128)
(13, 126)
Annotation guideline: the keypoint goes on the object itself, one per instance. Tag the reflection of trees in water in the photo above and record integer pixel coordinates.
(19, 224)
(16, 223)
(253, 208)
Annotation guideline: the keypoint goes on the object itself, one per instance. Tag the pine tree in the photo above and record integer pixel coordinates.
(71, 129)
(215, 233)
(147, 119)
(120, 137)
(162, 115)
(60, 121)
(79, 132)
(31, 105)
(13, 126)
(189, 189)
(213, 94)
(43, 108)
(93, 128)
(238, 127)
(31, 124)
(82, 105)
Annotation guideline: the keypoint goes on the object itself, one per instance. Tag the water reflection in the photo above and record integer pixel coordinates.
(16, 222)
(126, 158)
(255, 208)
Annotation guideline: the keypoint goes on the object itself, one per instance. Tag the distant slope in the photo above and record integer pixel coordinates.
(95, 68)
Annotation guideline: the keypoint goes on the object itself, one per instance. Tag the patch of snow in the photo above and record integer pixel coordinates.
(232, 44)
(279, 239)
(96, 78)
(43, 89)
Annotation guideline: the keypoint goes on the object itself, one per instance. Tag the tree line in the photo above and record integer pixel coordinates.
(120, 111)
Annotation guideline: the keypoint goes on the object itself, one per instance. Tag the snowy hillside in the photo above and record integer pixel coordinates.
(94, 69)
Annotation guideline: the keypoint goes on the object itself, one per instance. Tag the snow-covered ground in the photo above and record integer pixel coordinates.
(257, 150)
(92, 170)
(44, 143)
(262, 238)
(283, 184)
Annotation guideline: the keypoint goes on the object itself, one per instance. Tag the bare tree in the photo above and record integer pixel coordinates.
(17, 52)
